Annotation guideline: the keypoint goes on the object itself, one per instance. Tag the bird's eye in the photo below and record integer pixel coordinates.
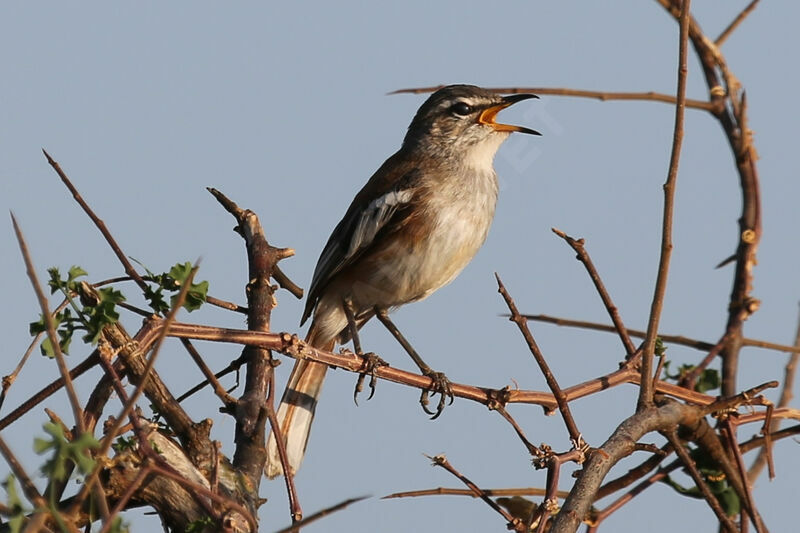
(461, 109)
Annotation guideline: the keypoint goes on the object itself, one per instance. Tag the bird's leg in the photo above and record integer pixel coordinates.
(440, 385)
(371, 360)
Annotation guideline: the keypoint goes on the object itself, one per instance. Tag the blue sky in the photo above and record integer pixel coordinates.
(284, 108)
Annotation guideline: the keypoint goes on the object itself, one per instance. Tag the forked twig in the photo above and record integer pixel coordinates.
(513, 523)
(522, 324)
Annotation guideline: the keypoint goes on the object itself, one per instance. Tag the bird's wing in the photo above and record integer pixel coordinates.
(379, 206)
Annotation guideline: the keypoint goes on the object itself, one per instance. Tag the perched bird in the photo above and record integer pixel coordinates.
(411, 229)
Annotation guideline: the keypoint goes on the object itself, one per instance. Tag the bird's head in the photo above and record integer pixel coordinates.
(459, 118)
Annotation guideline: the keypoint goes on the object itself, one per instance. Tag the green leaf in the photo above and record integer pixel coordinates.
(729, 501)
(37, 327)
(103, 314)
(155, 298)
(76, 452)
(196, 295)
(47, 348)
(124, 443)
(180, 272)
(199, 525)
(118, 526)
(55, 282)
(660, 348)
(16, 518)
(76, 272)
(40, 445)
(10, 485)
(709, 380)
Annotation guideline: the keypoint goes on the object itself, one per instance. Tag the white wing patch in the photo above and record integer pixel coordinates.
(375, 216)
(370, 221)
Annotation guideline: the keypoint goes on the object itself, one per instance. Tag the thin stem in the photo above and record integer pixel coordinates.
(561, 399)
(701, 484)
(670, 339)
(785, 398)
(441, 460)
(646, 387)
(51, 329)
(613, 312)
(735, 23)
(649, 96)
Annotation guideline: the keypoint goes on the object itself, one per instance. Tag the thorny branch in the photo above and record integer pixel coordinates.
(728, 104)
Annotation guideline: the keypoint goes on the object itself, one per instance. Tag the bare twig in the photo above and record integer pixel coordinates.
(701, 484)
(725, 90)
(613, 312)
(12, 377)
(785, 397)
(522, 324)
(635, 491)
(295, 510)
(669, 339)
(48, 390)
(241, 214)
(735, 23)
(646, 390)
(295, 528)
(580, 93)
(233, 366)
(757, 442)
(513, 523)
(25, 481)
(748, 397)
(51, 329)
(532, 449)
(292, 346)
(123, 259)
(633, 474)
(227, 400)
(729, 431)
(445, 491)
(130, 490)
(620, 444)
(690, 378)
(550, 503)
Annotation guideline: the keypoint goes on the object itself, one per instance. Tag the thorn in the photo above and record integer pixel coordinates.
(726, 261)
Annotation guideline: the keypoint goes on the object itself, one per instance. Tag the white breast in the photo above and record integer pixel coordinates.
(462, 211)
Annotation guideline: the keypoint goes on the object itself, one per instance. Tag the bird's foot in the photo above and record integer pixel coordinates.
(441, 386)
(371, 364)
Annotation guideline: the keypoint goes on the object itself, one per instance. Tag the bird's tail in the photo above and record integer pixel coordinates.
(296, 412)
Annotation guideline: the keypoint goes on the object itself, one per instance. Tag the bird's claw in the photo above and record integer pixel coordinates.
(442, 386)
(371, 364)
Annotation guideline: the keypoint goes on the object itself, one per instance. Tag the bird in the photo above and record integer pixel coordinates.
(410, 230)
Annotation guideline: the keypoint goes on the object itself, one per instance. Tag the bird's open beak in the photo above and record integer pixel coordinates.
(488, 115)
